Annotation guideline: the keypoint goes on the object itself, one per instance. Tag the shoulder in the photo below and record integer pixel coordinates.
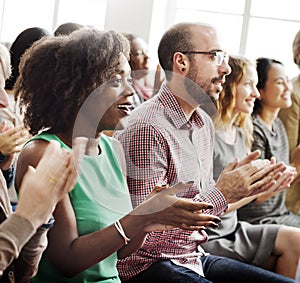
(29, 156)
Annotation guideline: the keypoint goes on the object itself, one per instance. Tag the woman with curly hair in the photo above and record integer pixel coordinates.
(263, 245)
(80, 85)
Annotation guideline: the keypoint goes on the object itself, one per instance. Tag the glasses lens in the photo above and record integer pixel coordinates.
(219, 58)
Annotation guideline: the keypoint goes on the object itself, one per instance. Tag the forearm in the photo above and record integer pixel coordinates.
(240, 203)
(263, 197)
(136, 242)
(27, 263)
(85, 251)
(15, 232)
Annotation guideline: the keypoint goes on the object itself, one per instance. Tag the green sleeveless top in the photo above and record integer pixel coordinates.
(99, 198)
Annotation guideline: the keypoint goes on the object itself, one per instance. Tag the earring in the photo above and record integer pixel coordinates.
(183, 70)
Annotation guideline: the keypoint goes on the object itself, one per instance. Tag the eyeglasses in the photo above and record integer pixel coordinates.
(219, 55)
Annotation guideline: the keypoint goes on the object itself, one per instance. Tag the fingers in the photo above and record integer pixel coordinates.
(72, 175)
(273, 160)
(53, 161)
(258, 168)
(250, 157)
(196, 221)
(190, 205)
(79, 149)
(269, 179)
(13, 139)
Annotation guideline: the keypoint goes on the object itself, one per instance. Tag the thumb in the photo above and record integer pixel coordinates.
(179, 187)
(2, 125)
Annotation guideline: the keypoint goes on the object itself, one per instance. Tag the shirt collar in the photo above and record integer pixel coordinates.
(175, 111)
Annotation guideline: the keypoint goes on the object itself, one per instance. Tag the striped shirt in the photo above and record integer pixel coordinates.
(162, 147)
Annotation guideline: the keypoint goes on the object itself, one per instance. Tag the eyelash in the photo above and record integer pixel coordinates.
(117, 81)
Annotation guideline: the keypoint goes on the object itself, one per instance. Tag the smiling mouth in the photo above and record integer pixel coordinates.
(125, 107)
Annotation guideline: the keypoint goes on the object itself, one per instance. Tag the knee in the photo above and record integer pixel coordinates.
(287, 241)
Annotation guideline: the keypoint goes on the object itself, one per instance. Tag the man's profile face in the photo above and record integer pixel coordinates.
(203, 71)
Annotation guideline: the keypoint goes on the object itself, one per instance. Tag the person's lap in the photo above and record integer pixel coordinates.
(249, 243)
(216, 269)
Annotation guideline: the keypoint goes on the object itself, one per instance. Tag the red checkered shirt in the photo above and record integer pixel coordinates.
(163, 147)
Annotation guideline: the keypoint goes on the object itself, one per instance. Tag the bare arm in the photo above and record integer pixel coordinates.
(72, 253)
(20, 234)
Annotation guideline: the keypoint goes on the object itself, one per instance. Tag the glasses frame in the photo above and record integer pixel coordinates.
(216, 53)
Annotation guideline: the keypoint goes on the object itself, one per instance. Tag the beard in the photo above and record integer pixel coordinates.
(197, 90)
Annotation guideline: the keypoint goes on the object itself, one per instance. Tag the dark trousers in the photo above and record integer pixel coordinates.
(216, 269)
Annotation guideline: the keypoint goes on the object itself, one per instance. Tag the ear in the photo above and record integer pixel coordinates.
(181, 63)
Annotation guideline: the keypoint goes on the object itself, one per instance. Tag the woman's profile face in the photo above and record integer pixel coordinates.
(246, 91)
(277, 90)
(114, 102)
(140, 58)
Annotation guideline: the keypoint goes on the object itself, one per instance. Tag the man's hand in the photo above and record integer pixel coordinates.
(249, 176)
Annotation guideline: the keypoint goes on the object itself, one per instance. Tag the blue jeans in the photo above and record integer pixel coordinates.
(216, 269)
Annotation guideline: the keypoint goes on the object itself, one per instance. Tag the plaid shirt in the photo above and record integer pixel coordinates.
(163, 147)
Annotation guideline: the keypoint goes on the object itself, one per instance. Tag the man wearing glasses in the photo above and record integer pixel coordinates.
(170, 139)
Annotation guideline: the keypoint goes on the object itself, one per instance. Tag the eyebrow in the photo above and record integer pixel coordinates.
(216, 50)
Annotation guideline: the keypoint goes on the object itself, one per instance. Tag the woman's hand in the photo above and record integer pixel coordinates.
(163, 210)
(43, 187)
(12, 139)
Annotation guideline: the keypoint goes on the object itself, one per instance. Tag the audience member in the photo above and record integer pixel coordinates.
(86, 78)
(291, 119)
(22, 235)
(269, 136)
(139, 63)
(22, 42)
(10, 114)
(237, 239)
(67, 28)
(11, 139)
(22, 239)
(168, 139)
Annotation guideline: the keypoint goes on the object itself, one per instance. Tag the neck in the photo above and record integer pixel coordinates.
(268, 116)
(187, 103)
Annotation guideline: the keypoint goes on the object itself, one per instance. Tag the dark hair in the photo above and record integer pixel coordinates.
(23, 41)
(67, 28)
(178, 38)
(59, 73)
(263, 66)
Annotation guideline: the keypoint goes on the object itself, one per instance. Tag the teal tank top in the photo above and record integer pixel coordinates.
(99, 198)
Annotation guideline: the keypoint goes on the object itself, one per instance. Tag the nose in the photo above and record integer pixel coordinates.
(129, 90)
(255, 93)
(289, 86)
(225, 68)
(146, 56)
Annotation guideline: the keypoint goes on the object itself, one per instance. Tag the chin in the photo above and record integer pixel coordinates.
(121, 125)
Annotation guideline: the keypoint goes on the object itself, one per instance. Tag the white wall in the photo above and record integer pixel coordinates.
(132, 16)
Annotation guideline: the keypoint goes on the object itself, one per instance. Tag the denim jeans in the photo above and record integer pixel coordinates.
(216, 269)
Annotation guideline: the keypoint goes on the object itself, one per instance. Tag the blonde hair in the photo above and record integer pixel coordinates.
(5, 61)
(296, 48)
(227, 99)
